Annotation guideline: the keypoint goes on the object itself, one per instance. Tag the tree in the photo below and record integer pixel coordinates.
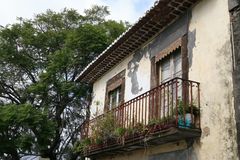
(23, 128)
(39, 61)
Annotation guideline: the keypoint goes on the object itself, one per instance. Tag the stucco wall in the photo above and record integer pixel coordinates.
(137, 80)
(211, 65)
(152, 153)
(99, 88)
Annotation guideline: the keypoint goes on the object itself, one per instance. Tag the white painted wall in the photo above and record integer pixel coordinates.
(143, 78)
(99, 87)
(212, 67)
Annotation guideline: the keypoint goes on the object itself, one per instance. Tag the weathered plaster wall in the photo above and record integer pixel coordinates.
(169, 35)
(138, 73)
(138, 66)
(137, 80)
(210, 59)
(99, 88)
(210, 62)
(162, 152)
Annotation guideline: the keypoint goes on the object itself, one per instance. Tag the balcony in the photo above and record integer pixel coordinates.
(167, 113)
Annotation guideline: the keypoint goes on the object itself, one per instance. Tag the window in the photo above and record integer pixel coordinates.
(170, 62)
(115, 91)
(114, 97)
(171, 66)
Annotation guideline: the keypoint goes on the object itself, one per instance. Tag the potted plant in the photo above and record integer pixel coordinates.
(186, 114)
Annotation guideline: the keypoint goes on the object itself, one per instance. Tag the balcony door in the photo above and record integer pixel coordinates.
(169, 63)
(170, 67)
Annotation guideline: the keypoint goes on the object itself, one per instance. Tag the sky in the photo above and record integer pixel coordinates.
(126, 10)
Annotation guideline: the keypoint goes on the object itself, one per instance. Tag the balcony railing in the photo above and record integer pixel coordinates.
(173, 104)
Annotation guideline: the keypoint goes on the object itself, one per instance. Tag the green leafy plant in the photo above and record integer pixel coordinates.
(120, 131)
(129, 131)
(103, 128)
(153, 121)
(99, 141)
(139, 128)
(186, 108)
(39, 62)
(82, 146)
(195, 109)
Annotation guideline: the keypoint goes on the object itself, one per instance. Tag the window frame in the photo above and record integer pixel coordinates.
(169, 50)
(111, 95)
(172, 66)
(158, 58)
(112, 84)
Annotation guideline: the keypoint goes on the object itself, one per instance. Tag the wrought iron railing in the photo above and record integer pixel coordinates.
(175, 103)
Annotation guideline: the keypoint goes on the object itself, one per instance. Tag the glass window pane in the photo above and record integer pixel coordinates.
(177, 61)
(165, 70)
(114, 98)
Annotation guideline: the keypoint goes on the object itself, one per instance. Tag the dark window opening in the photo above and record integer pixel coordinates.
(114, 97)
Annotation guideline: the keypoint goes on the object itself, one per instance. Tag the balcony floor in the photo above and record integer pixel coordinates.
(171, 134)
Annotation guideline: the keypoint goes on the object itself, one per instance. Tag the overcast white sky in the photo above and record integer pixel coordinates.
(129, 10)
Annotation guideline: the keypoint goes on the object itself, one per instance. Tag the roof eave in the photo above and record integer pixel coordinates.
(163, 13)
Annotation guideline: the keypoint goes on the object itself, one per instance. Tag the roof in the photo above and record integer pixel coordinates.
(161, 15)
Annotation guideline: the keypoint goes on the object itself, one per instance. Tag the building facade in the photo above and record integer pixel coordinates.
(168, 88)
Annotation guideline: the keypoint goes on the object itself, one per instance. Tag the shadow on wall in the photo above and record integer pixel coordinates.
(176, 155)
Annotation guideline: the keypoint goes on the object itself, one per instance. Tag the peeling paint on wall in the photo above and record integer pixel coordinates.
(191, 45)
(210, 62)
(133, 66)
(233, 4)
(205, 132)
(169, 35)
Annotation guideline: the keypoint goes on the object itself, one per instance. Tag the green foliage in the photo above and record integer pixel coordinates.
(82, 146)
(186, 108)
(20, 125)
(103, 129)
(39, 61)
(96, 14)
(120, 131)
(113, 29)
(138, 128)
(153, 122)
